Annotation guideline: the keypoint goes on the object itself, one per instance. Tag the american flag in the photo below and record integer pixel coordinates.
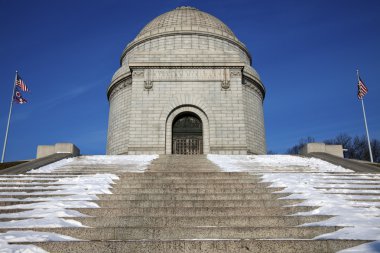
(20, 83)
(362, 89)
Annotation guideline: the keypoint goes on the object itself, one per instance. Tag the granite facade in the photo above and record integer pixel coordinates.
(167, 71)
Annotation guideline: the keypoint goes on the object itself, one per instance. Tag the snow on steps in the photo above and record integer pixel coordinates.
(353, 199)
(187, 204)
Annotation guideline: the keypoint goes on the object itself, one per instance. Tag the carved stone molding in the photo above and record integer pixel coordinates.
(184, 66)
(235, 73)
(225, 84)
(247, 83)
(140, 41)
(148, 85)
(188, 74)
(120, 86)
(138, 74)
(226, 79)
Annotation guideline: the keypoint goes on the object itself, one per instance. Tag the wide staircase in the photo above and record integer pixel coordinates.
(186, 204)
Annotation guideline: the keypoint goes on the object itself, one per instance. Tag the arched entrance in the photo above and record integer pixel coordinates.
(187, 134)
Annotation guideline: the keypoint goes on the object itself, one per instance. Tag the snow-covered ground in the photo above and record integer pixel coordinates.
(273, 163)
(352, 198)
(61, 193)
(128, 163)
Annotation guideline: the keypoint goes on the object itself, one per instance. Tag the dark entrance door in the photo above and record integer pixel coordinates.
(187, 135)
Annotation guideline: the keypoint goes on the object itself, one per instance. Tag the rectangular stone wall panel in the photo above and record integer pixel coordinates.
(118, 127)
(175, 87)
(254, 121)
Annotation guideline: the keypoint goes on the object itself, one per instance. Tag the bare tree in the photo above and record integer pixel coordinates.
(295, 150)
(346, 141)
(375, 146)
(357, 147)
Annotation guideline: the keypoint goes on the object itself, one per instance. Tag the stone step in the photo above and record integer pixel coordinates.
(33, 187)
(17, 185)
(177, 233)
(105, 171)
(193, 190)
(24, 189)
(89, 168)
(33, 193)
(190, 180)
(196, 246)
(159, 175)
(353, 193)
(189, 221)
(349, 188)
(194, 211)
(124, 185)
(21, 181)
(196, 203)
(172, 203)
(177, 198)
(162, 190)
(35, 175)
(23, 197)
(339, 184)
(147, 196)
(193, 221)
(202, 169)
(195, 174)
(200, 196)
(68, 174)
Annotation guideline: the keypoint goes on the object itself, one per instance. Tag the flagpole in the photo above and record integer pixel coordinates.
(9, 119)
(365, 123)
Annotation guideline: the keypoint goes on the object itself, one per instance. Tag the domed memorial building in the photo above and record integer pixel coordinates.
(186, 86)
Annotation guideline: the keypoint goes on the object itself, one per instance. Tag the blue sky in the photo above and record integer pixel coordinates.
(306, 52)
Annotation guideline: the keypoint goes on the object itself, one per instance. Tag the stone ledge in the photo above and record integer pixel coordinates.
(66, 148)
(35, 164)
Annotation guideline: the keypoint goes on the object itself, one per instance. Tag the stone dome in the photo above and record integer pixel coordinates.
(186, 18)
(183, 37)
(186, 63)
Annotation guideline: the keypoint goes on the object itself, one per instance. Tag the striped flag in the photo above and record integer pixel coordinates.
(20, 83)
(362, 89)
(17, 97)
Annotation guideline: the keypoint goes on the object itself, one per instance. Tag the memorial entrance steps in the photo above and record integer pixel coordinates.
(178, 204)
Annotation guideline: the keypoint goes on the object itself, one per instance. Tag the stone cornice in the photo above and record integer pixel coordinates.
(119, 84)
(254, 83)
(184, 65)
(126, 79)
(133, 44)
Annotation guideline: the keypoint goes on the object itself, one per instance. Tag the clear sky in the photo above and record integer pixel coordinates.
(306, 52)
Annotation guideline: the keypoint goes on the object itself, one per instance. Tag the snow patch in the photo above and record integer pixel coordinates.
(252, 163)
(131, 163)
(371, 247)
(28, 236)
(57, 194)
(352, 198)
(33, 236)
(51, 167)
(10, 248)
(41, 223)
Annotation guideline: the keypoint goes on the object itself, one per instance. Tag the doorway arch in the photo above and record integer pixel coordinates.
(187, 134)
(181, 111)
